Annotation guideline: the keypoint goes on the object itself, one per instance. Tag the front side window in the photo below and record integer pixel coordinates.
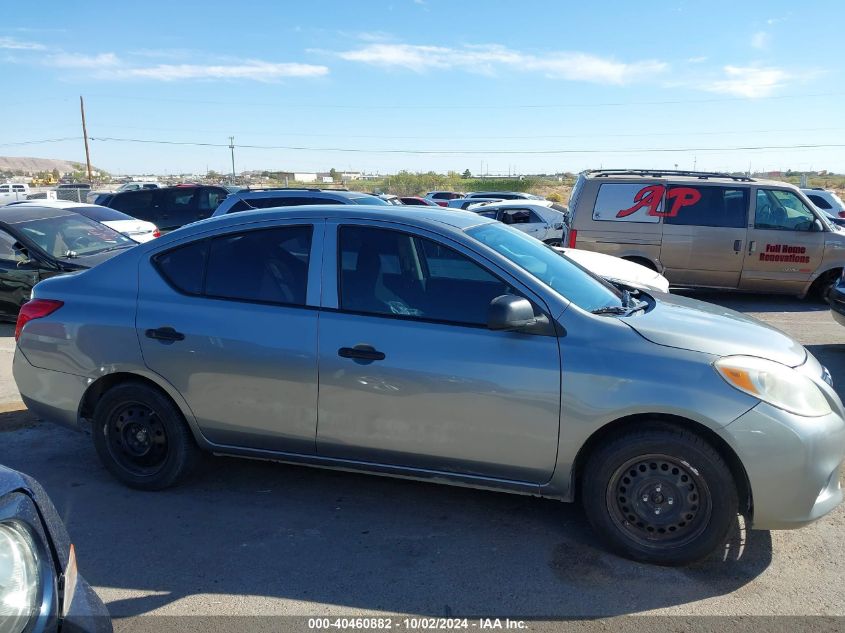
(385, 272)
(782, 211)
(724, 207)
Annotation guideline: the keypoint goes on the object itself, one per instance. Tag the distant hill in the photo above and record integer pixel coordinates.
(34, 165)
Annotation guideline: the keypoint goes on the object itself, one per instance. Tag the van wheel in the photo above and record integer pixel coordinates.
(142, 438)
(659, 495)
(823, 285)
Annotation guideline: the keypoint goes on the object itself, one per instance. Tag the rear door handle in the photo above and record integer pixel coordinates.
(165, 334)
(737, 245)
(361, 352)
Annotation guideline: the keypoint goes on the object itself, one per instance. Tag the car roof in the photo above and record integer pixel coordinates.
(671, 175)
(16, 213)
(282, 193)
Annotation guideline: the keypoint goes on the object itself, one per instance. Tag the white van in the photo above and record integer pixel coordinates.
(12, 192)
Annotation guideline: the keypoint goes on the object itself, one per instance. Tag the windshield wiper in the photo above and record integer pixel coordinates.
(111, 248)
(612, 310)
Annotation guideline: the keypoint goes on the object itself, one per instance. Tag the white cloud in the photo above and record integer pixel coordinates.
(10, 43)
(490, 58)
(254, 70)
(749, 81)
(697, 60)
(78, 60)
(760, 40)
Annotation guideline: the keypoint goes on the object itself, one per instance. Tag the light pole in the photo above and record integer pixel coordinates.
(232, 149)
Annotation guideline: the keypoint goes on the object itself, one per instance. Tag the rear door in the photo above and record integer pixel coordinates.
(704, 238)
(785, 243)
(231, 323)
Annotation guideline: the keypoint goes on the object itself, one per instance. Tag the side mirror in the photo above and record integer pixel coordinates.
(509, 312)
(817, 225)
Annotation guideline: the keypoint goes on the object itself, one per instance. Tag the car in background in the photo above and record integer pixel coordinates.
(466, 203)
(13, 191)
(135, 186)
(73, 191)
(169, 207)
(235, 188)
(39, 241)
(440, 198)
(428, 345)
(41, 588)
(836, 300)
(826, 200)
(133, 228)
(252, 199)
(417, 201)
(541, 219)
(503, 195)
(620, 272)
(389, 198)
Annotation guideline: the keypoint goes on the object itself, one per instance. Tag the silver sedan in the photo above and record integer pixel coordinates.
(436, 345)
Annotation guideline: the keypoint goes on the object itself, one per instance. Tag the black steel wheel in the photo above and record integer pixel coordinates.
(659, 494)
(142, 438)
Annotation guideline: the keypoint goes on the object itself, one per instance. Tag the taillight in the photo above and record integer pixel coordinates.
(442, 204)
(156, 233)
(35, 309)
(573, 235)
(842, 214)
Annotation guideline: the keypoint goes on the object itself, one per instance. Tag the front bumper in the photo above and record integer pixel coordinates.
(793, 464)
(53, 396)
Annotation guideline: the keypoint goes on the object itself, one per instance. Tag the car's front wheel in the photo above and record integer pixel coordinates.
(142, 438)
(659, 494)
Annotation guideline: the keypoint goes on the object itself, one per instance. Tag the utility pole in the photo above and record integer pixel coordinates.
(232, 149)
(85, 137)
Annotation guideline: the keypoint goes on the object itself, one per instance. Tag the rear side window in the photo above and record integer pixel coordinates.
(629, 202)
(820, 202)
(269, 266)
(184, 267)
(708, 206)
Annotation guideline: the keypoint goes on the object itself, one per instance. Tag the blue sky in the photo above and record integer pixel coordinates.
(508, 86)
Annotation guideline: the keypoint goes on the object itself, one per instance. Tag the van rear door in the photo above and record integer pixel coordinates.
(704, 234)
(785, 244)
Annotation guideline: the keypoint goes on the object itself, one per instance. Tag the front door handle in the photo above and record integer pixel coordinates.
(361, 352)
(165, 334)
(737, 245)
(752, 246)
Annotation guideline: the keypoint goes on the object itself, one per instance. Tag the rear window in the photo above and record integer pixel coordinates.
(820, 202)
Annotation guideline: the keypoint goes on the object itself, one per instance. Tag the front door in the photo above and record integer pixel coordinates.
(231, 323)
(411, 376)
(704, 238)
(785, 245)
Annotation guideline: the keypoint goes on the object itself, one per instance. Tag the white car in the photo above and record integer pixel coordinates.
(138, 230)
(827, 201)
(617, 270)
(542, 219)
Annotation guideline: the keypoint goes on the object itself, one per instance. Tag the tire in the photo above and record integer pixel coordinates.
(142, 438)
(822, 286)
(659, 494)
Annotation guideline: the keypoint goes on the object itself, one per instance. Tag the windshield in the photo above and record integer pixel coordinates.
(72, 236)
(560, 273)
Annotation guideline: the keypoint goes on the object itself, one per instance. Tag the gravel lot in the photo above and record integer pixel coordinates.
(250, 538)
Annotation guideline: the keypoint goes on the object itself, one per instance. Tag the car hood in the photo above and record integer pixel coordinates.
(704, 327)
(617, 269)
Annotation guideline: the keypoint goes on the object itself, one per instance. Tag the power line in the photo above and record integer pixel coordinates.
(46, 140)
(644, 150)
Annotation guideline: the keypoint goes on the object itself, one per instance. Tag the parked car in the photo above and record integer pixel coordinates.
(826, 200)
(73, 191)
(440, 198)
(466, 203)
(169, 207)
(253, 199)
(41, 588)
(709, 230)
(538, 218)
(37, 242)
(503, 195)
(137, 230)
(13, 191)
(389, 198)
(451, 348)
(416, 201)
(616, 270)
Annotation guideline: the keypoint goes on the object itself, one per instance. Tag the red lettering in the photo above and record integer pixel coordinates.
(680, 197)
(646, 197)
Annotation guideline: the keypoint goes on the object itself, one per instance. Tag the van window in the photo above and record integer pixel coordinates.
(629, 202)
(717, 206)
(782, 210)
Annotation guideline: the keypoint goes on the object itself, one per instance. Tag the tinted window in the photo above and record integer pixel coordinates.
(707, 206)
(209, 200)
(134, 203)
(267, 266)
(391, 273)
(782, 210)
(184, 267)
(820, 202)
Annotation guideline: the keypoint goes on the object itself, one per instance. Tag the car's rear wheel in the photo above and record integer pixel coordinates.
(660, 495)
(142, 438)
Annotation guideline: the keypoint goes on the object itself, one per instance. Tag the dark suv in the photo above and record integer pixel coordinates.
(170, 207)
(248, 199)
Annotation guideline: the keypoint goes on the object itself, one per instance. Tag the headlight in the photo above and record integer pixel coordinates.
(771, 382)
(18, 578)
